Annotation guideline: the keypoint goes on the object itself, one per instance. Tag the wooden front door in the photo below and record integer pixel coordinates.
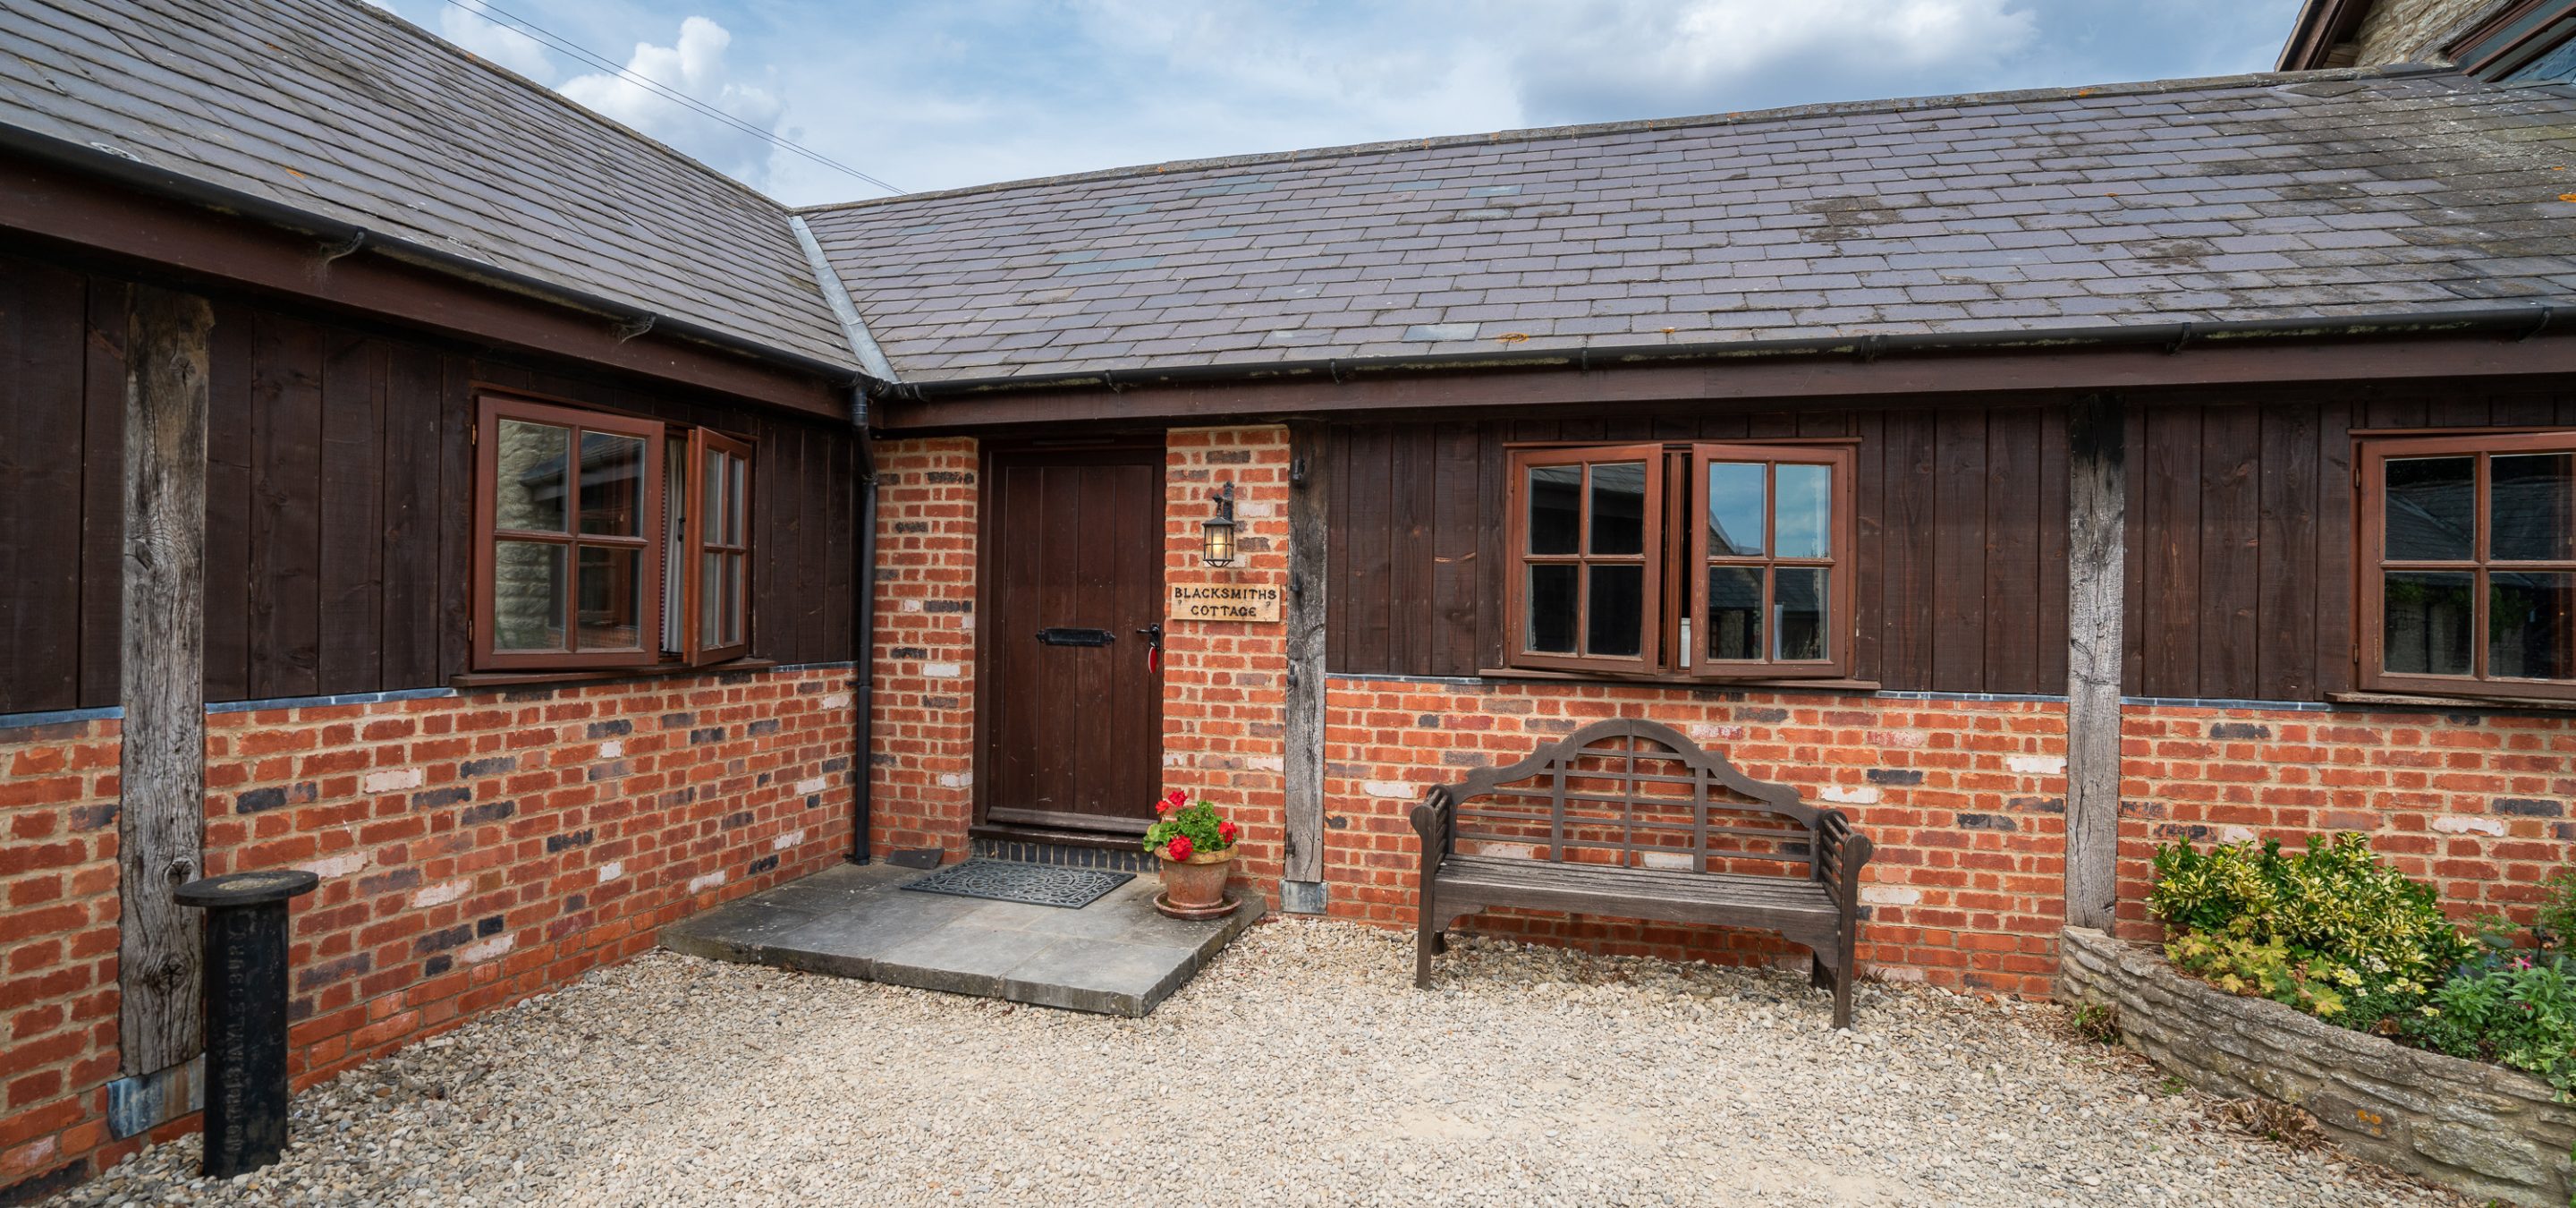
(1071, 701)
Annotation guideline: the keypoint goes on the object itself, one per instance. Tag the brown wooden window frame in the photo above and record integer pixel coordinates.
(2372, 564)
(1836, 562)
(1675, 565)
(1648, 558)
(650, 542)
(733, 547)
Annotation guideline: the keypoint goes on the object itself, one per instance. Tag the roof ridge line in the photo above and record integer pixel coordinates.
(1546, 133)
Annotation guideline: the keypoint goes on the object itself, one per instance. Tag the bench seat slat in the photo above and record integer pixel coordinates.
(1675, 885)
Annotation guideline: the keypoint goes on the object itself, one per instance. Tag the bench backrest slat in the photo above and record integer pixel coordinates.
(1634, 790)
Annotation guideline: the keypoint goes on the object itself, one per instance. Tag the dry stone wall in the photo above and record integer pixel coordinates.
(2490, 1132)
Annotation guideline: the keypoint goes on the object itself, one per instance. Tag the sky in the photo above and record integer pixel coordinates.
(950, 93)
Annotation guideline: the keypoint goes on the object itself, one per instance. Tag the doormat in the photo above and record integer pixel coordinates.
(1009, 881)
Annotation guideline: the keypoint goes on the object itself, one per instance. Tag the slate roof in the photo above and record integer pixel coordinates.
(340, 109)
(2254, 197)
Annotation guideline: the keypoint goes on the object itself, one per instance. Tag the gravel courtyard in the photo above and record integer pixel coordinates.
(1302, 1068)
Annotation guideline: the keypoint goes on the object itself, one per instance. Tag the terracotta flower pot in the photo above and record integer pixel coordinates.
(1197, 883)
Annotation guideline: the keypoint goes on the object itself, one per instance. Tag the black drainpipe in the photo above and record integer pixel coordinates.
(863, 638)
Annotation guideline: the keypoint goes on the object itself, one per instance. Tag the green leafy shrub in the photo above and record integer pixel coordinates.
(2339, 935)
(2341, 919)
(2521, 1014)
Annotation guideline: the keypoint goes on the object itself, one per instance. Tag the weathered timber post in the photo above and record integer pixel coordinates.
(161, 818)
(245, 1014)
(1301, 882)
(2097, 553)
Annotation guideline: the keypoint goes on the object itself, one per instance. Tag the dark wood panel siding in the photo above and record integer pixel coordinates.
(43, 409)
(1959, 566)
(339, 497)
(2242, 513)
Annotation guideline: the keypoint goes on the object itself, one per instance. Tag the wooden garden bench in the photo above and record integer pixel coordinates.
(1631, 819)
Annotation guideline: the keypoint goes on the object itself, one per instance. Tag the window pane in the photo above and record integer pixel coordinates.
(1735, 612)
(2531, 498)
(1619, 508)
(2530, 632)
(737, 475)
(1800, 608)
(1616, 624)
(2425, 622)
(711, 600)
(1735, 509)
(612, 484)
(527, 596)
(1555, 509)
(733, 599)
(2432, 508)
(1551, 608)
(530, 467)
(1805, 505)
(713, 517)
(612, 598)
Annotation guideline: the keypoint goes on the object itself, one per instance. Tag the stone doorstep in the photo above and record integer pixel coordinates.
(1116, 956)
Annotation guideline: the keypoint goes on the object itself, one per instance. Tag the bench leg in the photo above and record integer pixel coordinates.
(1818, 974)
(1845, 945)
(1426, 941)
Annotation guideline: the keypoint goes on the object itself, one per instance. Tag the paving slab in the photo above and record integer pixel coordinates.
(1116, 956)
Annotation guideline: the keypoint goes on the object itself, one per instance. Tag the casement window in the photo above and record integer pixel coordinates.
(2468, 565)
(606, 541)
(1699, 561)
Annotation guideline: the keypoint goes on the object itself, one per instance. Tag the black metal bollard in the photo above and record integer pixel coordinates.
(245, 989)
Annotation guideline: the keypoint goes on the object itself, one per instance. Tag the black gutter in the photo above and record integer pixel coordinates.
(348, 237)
(2520, 322)
(863, 640)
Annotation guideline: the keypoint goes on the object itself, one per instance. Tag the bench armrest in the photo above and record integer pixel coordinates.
(1435, 820)
(1841, 853)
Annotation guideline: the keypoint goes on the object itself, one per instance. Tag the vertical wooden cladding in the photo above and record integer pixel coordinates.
(50, 554)
(2241, 528)
(2238, 519)
(339, 500)
(1959, 558)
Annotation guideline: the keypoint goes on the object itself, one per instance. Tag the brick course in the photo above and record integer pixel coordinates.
(2476, 802)
(1965, 800)
(923, 768)
(475, 848)
(1225, 691)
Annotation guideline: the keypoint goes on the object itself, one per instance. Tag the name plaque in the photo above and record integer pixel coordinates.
(1225, 602)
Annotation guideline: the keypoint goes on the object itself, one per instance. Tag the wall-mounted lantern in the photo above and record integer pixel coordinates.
(1216, 533)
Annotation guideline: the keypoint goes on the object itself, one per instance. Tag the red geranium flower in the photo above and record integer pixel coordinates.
(1180, 848)
(1176, 799)
(1225, 831)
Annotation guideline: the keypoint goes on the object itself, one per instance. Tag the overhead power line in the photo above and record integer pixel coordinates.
(693, 104)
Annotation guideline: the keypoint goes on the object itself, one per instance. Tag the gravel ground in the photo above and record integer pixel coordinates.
(1302, 1068)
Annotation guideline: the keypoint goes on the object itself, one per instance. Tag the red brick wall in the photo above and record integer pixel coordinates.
(1965, 800)
(923, 769)
(2474, 802)
(1224, 686)
(475, 848)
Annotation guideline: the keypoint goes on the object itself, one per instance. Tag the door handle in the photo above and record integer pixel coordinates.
(1153, 647)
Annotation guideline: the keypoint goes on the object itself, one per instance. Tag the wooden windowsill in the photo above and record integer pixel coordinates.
(2417, 700)
(1821, 684)
(533, 678)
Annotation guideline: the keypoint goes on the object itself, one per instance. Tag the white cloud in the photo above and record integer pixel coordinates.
(695, 66)
(500, 44)
(1644, 58)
